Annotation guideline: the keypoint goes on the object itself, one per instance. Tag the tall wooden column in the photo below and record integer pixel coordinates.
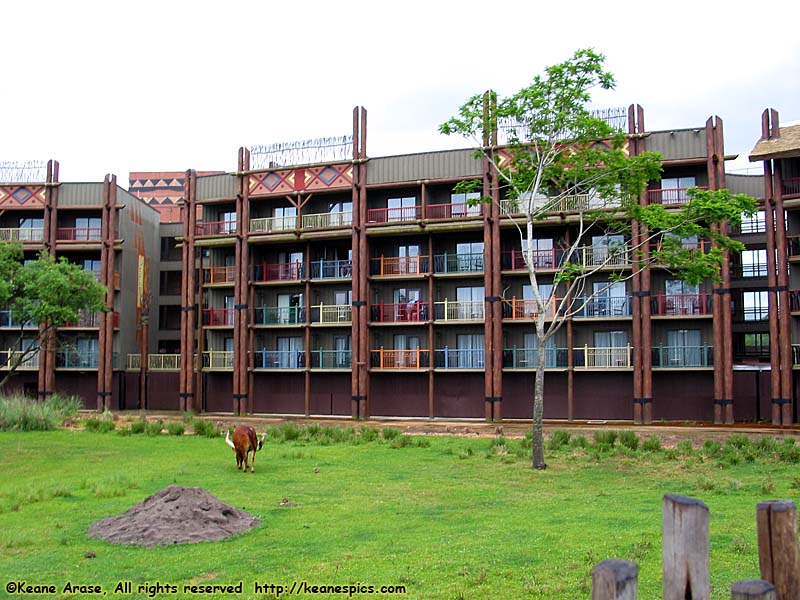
(188, 297)
(241, 397)
(47, 358)
(105, 342)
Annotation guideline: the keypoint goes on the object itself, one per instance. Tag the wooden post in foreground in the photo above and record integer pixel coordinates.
(753, 589)
(685, 548)
(615, 580)
(778, 554)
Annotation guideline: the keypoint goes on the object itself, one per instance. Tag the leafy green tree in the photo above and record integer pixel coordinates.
(558, 157)
(45, 293)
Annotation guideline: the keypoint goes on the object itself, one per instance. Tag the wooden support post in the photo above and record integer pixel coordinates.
(778, 554)
(685, 549)
(753, 589)
(615, 580)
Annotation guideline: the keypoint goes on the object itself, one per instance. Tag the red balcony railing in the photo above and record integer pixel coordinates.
(218, 316)
(215, 228)
(459, 210)
(92, 319)
(404, 312)
(219, 274)
(514, 260)
(279, 272)
(791, 186)
(399, 265)
(681, 304)
(78, 234)
(670, 196)
(392, 215)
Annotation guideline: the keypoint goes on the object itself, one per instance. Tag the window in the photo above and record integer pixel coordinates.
(673, 189)
(682, 298)
(684, 348)
(169, 283)
(755, 305)
(408, 260)
(756, 344)
(531, 352)
(543, 255)
(757, 223)
(87, 228)
(284, 217)
(92, 266)
(611, 350)
(465, 205)
(607, 250)
(754, 263)
(401, 209)
(228, 222)
(170, 249)
(407, 305)
(469, 257)
(608, 299)
(341, 213)
(470, 303)
(31, 229)
(290, 352)
(470, 354)
(342, 356)
(405, 354)
(529, 301)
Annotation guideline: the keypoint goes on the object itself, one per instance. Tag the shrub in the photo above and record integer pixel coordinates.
(685, 447)
(605, 437)
(205, 428)
(739, 441)
(711, 448)
(629, 440)
(154, 428)
(96, 425)
(401, 441)
(176, 428)
(138, 426)
(390, 433)
(18, 413)
(559, 439)
(652, 444)
(369, 434)
(788, 452)
(579, 441)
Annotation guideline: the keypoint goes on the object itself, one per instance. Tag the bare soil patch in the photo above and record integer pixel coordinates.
(175, 515)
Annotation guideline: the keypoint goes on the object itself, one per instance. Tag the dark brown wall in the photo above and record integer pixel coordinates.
(83, 385)
(16, 384)
(683, 396)
(218, 390)
(459, 395)
(399, 394)
(745, 396)
(162, 391)
(518, 395)
(278, 393)
(603, 395)
(330, 394)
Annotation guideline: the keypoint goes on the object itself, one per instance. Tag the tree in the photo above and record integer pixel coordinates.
(558, 157)
(41, 295)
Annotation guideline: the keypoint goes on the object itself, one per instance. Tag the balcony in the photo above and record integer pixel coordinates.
(404, 312)
(332, 314)
(459, 359)
(78, 234)
(400, 359)
(394, 215)
(795, 354)
(273, 224)
(279, 315)
(448, 310)
(155, 362)
(216, 360)
(206, 228)
(279, 359)
(602, 357)
(668, 357)
(557, 204)
(670, 196)
(458, 263)
(331, 269)
(514, 260)
(791, 186)
(399, 265)
(526, 358)
(327, 220)
(217, 275)
(21, 234)
(10, 357)
(602, 307)
(218, 317)
(794, 300)
(91, 319)
(279, 272)
(330, 359)
(793, 242)
(459, 210)
(7, 320)
(674, 305)
(76, 359)
(614, 255)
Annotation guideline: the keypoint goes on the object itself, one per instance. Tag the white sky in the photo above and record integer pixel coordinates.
(119, 86)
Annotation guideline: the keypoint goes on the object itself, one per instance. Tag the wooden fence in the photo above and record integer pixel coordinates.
(685, 556)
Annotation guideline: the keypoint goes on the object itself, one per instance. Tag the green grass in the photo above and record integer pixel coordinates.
(446, 517)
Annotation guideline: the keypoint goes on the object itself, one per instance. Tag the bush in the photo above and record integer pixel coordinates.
(579, 441)
(390, 433)
(652, 444)
(18, 413)
(629, 440)
(559, 439)
(685, 447)
(205, 428)
(605, 437)
(154, 428)
(138, 426)
(711, 448)
(739, 441)
(176, 428)
(96, 425)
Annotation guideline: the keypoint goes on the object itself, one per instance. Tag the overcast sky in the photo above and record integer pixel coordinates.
(118, 86)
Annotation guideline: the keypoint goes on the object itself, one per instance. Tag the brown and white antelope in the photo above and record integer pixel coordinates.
(245, 441)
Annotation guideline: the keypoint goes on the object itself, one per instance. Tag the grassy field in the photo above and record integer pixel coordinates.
(445, 517)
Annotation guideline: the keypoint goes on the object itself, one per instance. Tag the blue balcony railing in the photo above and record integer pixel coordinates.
(448, 358)
(279, 359)
(331, 269)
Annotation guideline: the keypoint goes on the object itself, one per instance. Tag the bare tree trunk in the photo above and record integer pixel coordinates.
(538, 405)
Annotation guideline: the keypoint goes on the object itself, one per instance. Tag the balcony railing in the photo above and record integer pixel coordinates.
(459, 210)
(155, 362)
(525, 309)
(213, 275)
(793, 241)
(681, 304)
(78, 234)
(215, 228)
(75, 359)
(400, 359)
(682, 356)
(526, 358)
(216, 360)
(91, 319)
(279, 315)
(448, 358)
(394, 215)
(330, 359)
(449, 310)
(614, 255)
(791, 186)
(558, 204)
(270, 224)
(514, 260)
(21, 234)
(331, 269)
(670, 196)
(325, 220)
(603, 306)
(458, 263)
(602, 357)
(218, 317)
(279, 272)
(403, 312)
(279, 359)
(9, 357)
(399, 265)
(332, 314)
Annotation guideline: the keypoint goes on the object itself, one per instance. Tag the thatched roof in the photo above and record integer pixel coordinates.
(786, 146)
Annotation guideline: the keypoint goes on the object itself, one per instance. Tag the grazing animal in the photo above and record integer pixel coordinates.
(245, 441)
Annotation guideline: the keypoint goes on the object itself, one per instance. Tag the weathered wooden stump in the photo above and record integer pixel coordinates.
(778, 553)
(685, 549)
(615, 580)
(753, 589)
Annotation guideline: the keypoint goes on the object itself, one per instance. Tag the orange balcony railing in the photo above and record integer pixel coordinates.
(518, 309)
(400, 359)
(219, 274)
(400, 265)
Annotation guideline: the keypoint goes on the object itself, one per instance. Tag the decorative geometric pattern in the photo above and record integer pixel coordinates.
(301, 179)
(22, 195)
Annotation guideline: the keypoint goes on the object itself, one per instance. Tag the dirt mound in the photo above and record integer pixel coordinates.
(175, 515)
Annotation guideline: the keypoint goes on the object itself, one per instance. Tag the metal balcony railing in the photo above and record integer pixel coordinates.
(458, 210)
(338, 314)
(525, 309)
(155, 362)
(331, 269)
(448, 358)
(400, 359)
(326, 220)
(9, 357)
(279, 272)
(225, 274)
(74, 359)
(791, 186)
(514, 260)
(681, 304)
(92, 319)
(670, 196)
(602, 357)
(279, 359)
(603, 306)
(449, 310)
(218, 317)
(458, 263)
(394, 215)
(21, 234)
(559, 204)
(403, 312)
(682, 356)
(526, 358)
(78, 234)
(270, 224)
(399, 265)
(215, 228)
(279, 315)
(601, 255)
(330, 359)
(215, 360)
